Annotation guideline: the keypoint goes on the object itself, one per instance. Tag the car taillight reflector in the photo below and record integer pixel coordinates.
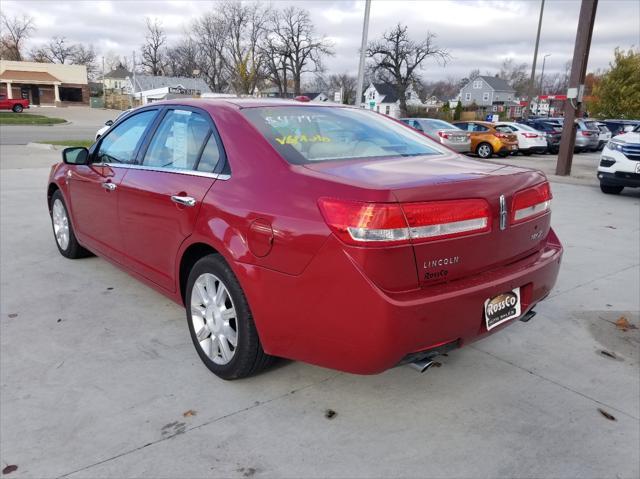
(530, 203)
(443, 134)
(530, 135)
(378, 224)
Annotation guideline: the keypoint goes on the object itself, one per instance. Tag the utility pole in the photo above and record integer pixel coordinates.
(363, 49)
(104, 88)
(133, 81)
(576, 85)
(533, 67)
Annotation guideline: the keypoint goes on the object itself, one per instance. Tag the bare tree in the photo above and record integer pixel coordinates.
(154, 50)
(346, 84)
(516, 74)
(182, 59)
(86, 56)
(15, 32)
(396, 59)
(294, 32)
(275, 53)
(246, 32)
(210, 33)
(59, 51)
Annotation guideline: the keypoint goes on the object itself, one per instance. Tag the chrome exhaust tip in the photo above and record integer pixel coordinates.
(421, 366)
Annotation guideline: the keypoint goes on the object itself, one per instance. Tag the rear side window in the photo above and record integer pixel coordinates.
(178, 141)
(121, 143)
(304, 134)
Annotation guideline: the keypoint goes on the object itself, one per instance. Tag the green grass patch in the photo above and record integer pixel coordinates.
(10, 118)
(85, 143)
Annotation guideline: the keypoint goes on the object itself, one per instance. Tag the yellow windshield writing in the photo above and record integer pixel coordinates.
(295, 139)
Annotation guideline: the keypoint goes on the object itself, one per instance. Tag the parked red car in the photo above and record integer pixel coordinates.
(14, 104)
(326, 234)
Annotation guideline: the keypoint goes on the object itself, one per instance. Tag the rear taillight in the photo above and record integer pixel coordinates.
(585, 133)
(531, 203)
(501, 135)
(530, 135)
(443, 134)
(378, 224)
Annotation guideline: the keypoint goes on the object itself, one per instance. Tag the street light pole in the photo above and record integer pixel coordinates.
(363, 48)
(544, 60)
(535, 59)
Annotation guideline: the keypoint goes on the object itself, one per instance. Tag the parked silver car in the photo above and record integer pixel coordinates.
(587, 135)
(446, 133)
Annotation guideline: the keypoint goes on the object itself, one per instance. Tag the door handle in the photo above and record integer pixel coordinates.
(109, 186)
(183, 200)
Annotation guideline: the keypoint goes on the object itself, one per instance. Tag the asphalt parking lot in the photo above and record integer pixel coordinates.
(99, 377)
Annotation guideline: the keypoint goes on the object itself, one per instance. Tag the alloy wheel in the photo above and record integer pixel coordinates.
(484, 151)
(214, 318)
(60, 224)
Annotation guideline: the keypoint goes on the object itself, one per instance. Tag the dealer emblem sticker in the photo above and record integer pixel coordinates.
(501, 308)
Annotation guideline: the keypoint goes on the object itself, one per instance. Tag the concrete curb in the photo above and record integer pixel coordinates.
(41, 146)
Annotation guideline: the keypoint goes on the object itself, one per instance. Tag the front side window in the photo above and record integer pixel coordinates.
(304, 135)
(121, 143)
(179, 141)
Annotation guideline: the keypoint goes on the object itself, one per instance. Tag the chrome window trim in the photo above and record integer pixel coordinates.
(217, 176)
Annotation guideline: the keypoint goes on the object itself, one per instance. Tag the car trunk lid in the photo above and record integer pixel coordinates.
(450, 178)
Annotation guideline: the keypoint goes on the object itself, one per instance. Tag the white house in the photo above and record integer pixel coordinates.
(118, 79)
(383, 98)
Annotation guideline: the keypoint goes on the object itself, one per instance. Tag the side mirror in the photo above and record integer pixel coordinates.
(108, 122)
(76, 155)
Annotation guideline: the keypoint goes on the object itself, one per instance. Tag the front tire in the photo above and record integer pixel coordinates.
(611, 189)
(220, 321)
(484, 150)
(17, 108)
(63, 233)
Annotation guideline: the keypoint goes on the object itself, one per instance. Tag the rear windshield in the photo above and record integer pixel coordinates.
(312, 134)
(437, 124)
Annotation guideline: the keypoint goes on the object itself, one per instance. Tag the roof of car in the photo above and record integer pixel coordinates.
(248, 102)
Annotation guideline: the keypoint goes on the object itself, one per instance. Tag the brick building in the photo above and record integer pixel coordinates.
(46, 84)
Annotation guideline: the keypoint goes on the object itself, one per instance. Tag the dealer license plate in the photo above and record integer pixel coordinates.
(501, 308)
(514, 147)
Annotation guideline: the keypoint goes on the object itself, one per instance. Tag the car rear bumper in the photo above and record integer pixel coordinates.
(534, 149)
(351, 325)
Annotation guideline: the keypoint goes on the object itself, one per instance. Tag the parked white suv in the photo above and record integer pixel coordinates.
(108, 123)
(620, 163)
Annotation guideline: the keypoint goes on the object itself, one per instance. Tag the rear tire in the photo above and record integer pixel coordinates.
(222, 319)
(611, 189)
(484, 150)
(17, 108)
(63, 233)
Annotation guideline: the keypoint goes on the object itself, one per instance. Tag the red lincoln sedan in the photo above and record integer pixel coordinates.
(325, 234)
